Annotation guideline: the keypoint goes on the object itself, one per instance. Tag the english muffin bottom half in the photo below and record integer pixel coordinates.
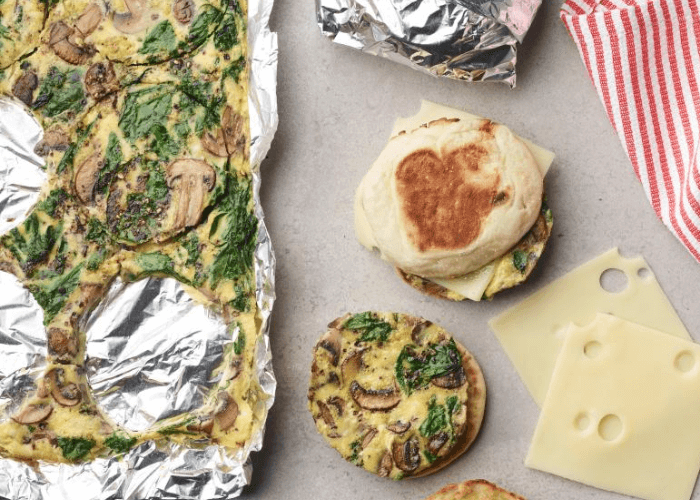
(395, 394)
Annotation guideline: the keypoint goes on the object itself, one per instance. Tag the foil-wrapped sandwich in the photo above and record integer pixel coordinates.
(469, 40)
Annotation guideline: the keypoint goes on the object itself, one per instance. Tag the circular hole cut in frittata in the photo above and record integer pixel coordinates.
(395, 394)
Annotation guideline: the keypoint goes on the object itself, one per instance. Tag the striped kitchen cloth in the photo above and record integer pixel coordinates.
(644, 59)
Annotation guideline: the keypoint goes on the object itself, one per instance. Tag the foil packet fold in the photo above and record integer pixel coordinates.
(468, 40)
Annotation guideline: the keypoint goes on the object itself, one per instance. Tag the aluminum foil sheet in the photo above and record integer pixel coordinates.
(469, 40)
(157, 375)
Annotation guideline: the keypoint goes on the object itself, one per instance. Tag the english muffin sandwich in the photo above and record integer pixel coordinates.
(395, 394)
(475, 489)
(455, 203)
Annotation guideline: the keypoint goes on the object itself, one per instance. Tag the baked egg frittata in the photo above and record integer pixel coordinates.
(144, 106)
(395, 394)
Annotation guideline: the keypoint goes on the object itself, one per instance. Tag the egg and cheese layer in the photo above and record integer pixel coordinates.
(146, 141)
(394, 394)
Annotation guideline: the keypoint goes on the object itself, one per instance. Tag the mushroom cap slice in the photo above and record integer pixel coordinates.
(227, 411)
(23, 89)
(60, 41)
(331, 342)
(352, 365)
(184, 11)
(55, 139)
(67, 395)
(407, 454)
(33, 414)
(375, 400)
(86, 177)
(399, 427)
(101, 80)
(192, 179)
(452, 380)
(385, 465)
(215, 144)
(62, 342)
(89, 20)
(135, 20)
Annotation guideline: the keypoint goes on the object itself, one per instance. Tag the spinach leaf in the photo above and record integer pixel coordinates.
(202, 26)
(119, 444)
(191, 246)
(60, 92)
(163, 145)
(144, 109)
(112, 162)
(371, 329)
(52, 296)
(31, 246)
(520, 260)
(435, 421)
(75, 448)
(240, 302)
(197, 99)
(55, 198)
(97, 232)
(68, 157)
(177, 428)
(226, 35)
(159, 264)
(234, 69)
(161, 39)
(239, 344)
(415, 370)
(237, 240)
(440, 417)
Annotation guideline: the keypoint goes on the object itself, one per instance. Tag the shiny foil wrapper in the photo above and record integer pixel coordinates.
(469, 40)
(151, 349)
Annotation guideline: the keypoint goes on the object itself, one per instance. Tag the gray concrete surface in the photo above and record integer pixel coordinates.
(337, 107)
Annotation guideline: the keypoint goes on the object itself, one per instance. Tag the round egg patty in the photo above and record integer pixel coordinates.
(395, 394)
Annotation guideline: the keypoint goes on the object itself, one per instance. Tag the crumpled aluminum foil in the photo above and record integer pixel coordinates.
(470, 40)
(147, 372)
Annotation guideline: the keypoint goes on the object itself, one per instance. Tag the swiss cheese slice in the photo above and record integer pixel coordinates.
(532, 332)
(473, 285)
(623, 411)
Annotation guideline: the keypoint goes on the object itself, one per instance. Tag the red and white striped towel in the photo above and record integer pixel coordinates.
(644, 59)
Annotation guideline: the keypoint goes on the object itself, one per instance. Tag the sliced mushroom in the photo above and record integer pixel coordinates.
(232, 125)
(135, 20)
(228, 139)
(101, 80)
(338, 403)
(227, 411)
(33, 414)
(90, 294)
(235, 368)
(60, 41)
(437, 442)
(89, 20)
(196, 178)
(215, 143)
(86, 177)
(326, 414)
(418, 330)
(379, 400)
(202, 424)
(183, 10)
(399, 427)
(368, 438)
(54, 140)
(62, 342)
(338, 323)
(24, 87)
(406, 455)
(385, 465)
(352, 365)
(452, 380)
(65, 395)
(331, 342)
